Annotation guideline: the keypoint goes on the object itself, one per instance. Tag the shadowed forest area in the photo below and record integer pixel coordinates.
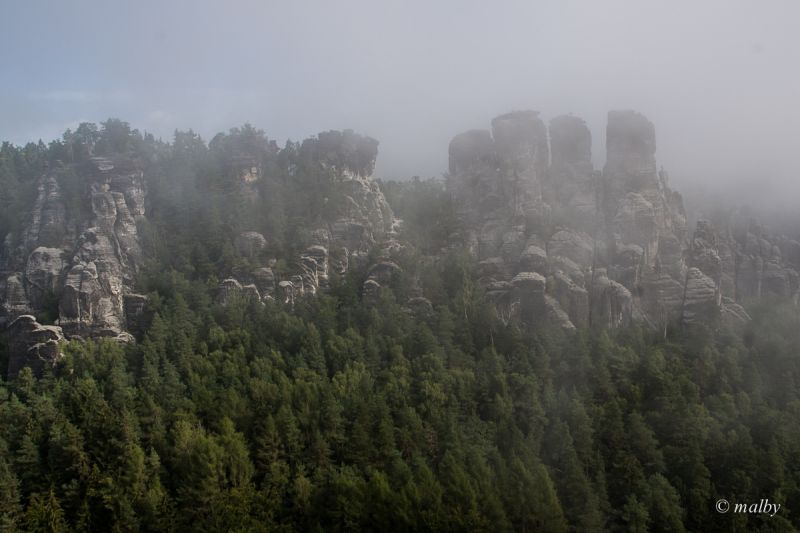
(345, 411)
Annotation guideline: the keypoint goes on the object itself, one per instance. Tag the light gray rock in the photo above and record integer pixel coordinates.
(15, 298)
(85, 258)
(570, 151)
(556, 315)
(33, 345)
(572, 298)
(286, 292)
(471, 152)
(733, 313)
(701, 297)
(611, 303)
(522, 147)
(43, 274)
(574, 245)
(635, 222)
(47, 222)
(315, 267)
(630, 155)
(533, 259)
(228, 290)
(231, 290)
(661, 297)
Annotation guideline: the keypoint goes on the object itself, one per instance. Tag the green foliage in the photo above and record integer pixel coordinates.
(339, 415)
(358, 418)
(428, 213)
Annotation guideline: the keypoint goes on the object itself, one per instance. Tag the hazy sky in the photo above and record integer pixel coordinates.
(720, 79)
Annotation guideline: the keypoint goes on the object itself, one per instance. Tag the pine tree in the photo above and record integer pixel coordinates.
(10, 508)
(44, 513)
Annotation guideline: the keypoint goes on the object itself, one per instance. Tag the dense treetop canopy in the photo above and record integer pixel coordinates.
(337, 414)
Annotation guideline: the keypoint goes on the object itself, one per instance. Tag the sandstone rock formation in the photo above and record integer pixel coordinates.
(558, 242)
(77, 264)
(357, 221)
(555, 241)
(32, 345)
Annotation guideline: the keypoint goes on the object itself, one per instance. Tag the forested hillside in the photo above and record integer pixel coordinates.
(342, 409)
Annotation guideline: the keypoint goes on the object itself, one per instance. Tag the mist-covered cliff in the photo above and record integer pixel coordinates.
(557, 240)
(237, 335)
(89, 219)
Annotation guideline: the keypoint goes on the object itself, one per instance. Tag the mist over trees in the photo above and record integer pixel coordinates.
(341, 413)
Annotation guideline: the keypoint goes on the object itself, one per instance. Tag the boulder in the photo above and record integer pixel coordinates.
(33, 345)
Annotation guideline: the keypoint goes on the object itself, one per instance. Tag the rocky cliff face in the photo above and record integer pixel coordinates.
(557, 241)
(357, 221)
(32, 345)
(77, 264)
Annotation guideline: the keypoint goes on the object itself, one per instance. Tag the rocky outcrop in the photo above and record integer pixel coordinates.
(701, 297)
(571, 179)
(745, 261)
(264, 280)
(33, 345)
(357, 220)
(611, 304)
(610, 247)
(79, 262)
(314, 264)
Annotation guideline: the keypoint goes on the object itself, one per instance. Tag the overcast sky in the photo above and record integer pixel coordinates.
(719, 79)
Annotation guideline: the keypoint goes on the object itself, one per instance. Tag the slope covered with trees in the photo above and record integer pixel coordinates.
(346, 413)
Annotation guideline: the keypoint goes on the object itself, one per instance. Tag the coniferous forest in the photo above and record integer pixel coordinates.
(346, 413)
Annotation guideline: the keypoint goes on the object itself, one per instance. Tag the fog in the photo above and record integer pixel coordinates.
(718, 78)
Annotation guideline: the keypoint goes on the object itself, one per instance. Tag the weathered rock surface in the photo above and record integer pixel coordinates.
(700, 295)
(613, 246)
(264, 280)
(82, 260)
(33, 345)
(357, 221)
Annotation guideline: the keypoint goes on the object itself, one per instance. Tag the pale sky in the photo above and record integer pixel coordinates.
(720, 79)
